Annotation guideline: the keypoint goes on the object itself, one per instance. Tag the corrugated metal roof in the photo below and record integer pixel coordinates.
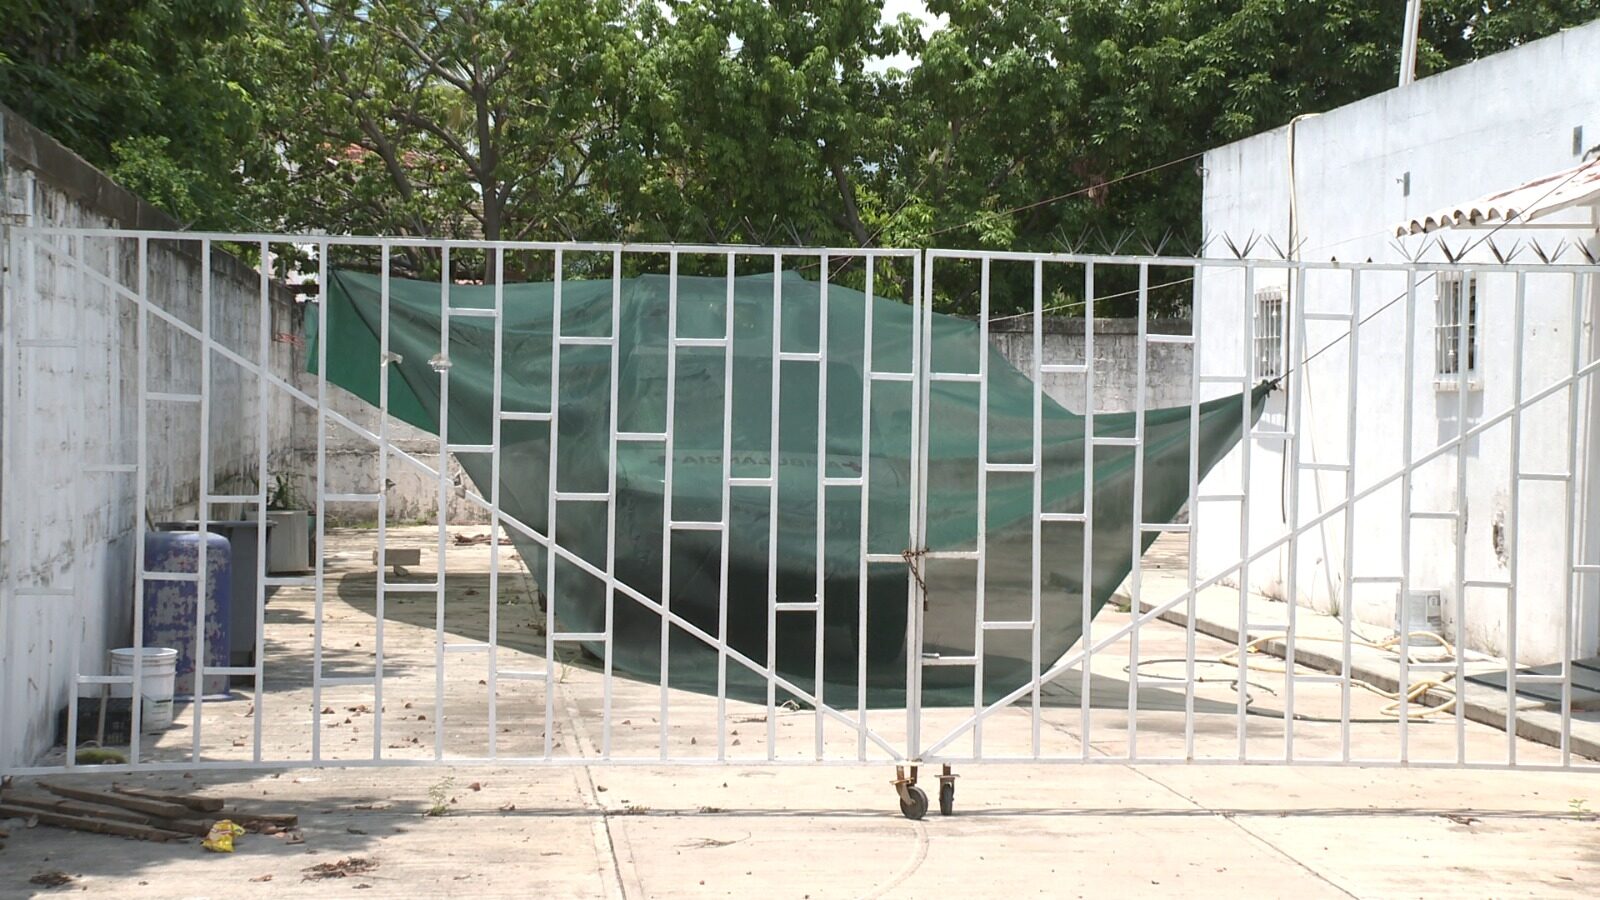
(1524, 203)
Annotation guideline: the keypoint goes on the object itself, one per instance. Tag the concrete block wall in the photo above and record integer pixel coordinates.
(1116, 365)
(70, 403)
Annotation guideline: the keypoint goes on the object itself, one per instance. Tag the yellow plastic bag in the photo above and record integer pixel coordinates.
(220, 840)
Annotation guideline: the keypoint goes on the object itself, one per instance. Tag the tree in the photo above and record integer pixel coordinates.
(149, 91)
(757, 122)
(475, 119)
(1035, 113)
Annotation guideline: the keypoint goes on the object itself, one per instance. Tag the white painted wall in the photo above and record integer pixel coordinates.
(65, 410)
(1482, 127)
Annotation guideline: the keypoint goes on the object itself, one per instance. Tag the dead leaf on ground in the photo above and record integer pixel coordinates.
(344, 868)
(508, 807)
(267, 877)
(1460, 819)
(475, 786)
(51, 878)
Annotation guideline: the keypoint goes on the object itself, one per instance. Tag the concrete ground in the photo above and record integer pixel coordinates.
(807, 830)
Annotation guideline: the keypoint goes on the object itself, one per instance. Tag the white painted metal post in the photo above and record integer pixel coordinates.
(1347, 583)
(611, 507)
(822, 496)
(1086, 614)
(443, 369)
(727, 483)
(1570, 575)
(772, 506)
(1295, 350)
(140, 505)
(1246, 440)
(1193, 505)
(552, 510)
(1136, 569)
(1036, 557)
(666, 492)
(202, 527)
(981, 546)
(1513, 518)
(862, 523)
(496, 401)
(1406, 468)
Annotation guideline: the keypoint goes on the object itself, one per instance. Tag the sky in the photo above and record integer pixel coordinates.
(891, 11)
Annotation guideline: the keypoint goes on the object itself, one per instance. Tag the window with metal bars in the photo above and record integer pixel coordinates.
(1455, 306)
(1269, 333)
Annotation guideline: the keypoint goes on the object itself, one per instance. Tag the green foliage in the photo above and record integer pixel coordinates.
(1030, 124)
(149, 91)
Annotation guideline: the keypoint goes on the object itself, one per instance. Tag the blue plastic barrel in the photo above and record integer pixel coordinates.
(169, 606)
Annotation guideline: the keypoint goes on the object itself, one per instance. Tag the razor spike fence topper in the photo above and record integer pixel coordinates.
(770, 483)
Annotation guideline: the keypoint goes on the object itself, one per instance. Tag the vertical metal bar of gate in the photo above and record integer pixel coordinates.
(916, 592)
(772, 507)
(1191, 613)
(322, 522)
(1513, 519)
(1569, 574)
(552, 501)
(1404, 600)
(443, 369)
(263, 388)
(922, 413)
(141, 503)
(667, 488)
(822, 495)
(980, 606)
(1292, 447)
(611, 507)
(865, 491)
(202, 529)
(380, 582)
(1086, 600)
(76, 510)
(727, 476)
(1036, 557)
(1466, 298)
(1246, 440)
(1347, 582)
(1136, 568)
(496, 397)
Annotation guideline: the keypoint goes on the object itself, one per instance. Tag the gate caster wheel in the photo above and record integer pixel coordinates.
(918, 806)
(947, 798)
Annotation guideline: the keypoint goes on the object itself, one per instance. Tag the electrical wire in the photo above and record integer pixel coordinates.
(1069, 194)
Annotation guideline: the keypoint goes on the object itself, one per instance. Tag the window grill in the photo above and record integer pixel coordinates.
(1269, 333)
(1456, 294)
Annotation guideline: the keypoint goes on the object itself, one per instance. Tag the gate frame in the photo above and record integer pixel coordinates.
(31, 240)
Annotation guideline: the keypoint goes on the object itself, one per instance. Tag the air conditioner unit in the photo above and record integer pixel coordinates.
(1423, 611)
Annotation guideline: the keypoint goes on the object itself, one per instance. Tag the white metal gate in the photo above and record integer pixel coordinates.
(1371, 482)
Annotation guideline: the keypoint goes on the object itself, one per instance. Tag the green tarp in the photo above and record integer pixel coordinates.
(954, 451)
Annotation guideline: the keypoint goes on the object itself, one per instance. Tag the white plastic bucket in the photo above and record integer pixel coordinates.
(159, 675)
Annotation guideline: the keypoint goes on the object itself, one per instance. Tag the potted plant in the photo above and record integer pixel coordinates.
(289, 540)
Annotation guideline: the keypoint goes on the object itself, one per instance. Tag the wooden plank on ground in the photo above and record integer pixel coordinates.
(159, 808)
(199, 804)
(72, 808)
(258, 821)
(95, 825)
